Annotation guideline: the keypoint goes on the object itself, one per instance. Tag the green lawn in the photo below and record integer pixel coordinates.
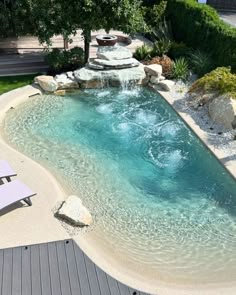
(12, 82)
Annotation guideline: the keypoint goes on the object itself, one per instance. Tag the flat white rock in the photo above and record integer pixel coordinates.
(94, 66)
(113, 52)
(64, 81)
(128, 62)
(74, 211)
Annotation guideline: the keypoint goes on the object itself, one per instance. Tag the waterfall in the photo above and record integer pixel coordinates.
(126, 79)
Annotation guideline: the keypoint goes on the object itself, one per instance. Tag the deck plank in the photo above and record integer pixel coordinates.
(7, 272)
(63, 269)
(44, 270)
(102, 280)
(113, 285)
(92, 276)
(35, 270)
(17, 271)
(26, 271)
(1, 269)
(54, 269)
(71, 263)
(81, 270)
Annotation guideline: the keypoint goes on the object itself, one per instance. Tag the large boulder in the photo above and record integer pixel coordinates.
(47, 83)
(166, 85)
(113, 52)
(223, 110)
(156, 80)
(74, 211)
(153, 70)
(86, 76)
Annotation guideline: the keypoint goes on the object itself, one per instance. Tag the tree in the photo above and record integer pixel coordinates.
(54, 17)
(14, 18)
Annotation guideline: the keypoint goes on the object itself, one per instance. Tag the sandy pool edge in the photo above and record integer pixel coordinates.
(15, 97)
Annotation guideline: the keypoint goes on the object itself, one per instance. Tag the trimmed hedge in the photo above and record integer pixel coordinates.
(199, 26)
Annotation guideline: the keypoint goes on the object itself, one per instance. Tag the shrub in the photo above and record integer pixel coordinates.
(65, 60)
(220, 80)
(201, 62)
(199, 26)
(161, 47)
(75, 57)
(179, 50)
(180, 69)
(162, 30)
(164, 61)
(143, 52)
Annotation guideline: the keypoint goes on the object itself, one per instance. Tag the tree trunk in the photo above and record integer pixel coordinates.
(87, 40)
(65, 43)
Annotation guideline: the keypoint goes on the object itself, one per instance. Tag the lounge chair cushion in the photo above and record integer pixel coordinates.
(14, 191)
(6, 170)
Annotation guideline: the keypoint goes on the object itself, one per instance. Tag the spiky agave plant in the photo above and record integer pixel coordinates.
(143, 52)
(180, 69)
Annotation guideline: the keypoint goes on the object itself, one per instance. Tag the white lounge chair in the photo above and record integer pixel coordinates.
(6, 171)
(15, 191)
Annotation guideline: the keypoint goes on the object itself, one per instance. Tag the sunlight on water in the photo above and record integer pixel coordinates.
(158, 197)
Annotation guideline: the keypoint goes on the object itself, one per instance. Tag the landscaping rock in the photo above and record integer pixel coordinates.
(74, 211)
(117, 64)
(89, 78)
(146, 80)
(65, 82)
(47, 83)
(94, 66)
(166, 85)
(113, 53)
(161, 78)
(154, 70)
(154, 80)
(61, 92)
(93, 84)
(223, 110)
(70, 75)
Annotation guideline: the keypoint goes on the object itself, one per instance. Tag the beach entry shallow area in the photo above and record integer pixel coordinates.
(157, 195)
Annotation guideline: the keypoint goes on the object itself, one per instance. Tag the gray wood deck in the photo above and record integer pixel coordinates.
(55, 268)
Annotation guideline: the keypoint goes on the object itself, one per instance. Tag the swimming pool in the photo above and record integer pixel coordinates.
(158, 196)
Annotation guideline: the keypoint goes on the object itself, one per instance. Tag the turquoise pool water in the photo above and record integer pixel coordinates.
(158, 197)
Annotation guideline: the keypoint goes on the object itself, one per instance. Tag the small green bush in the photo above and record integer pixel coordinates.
(201, 62)
(161, 47)
(220, 80)
(199, 26)
(179, 50)
(180, 69)
(65, 60)
(143, 52)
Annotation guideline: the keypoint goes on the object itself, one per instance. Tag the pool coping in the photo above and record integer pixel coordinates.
(16, 97)
(218, 152)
